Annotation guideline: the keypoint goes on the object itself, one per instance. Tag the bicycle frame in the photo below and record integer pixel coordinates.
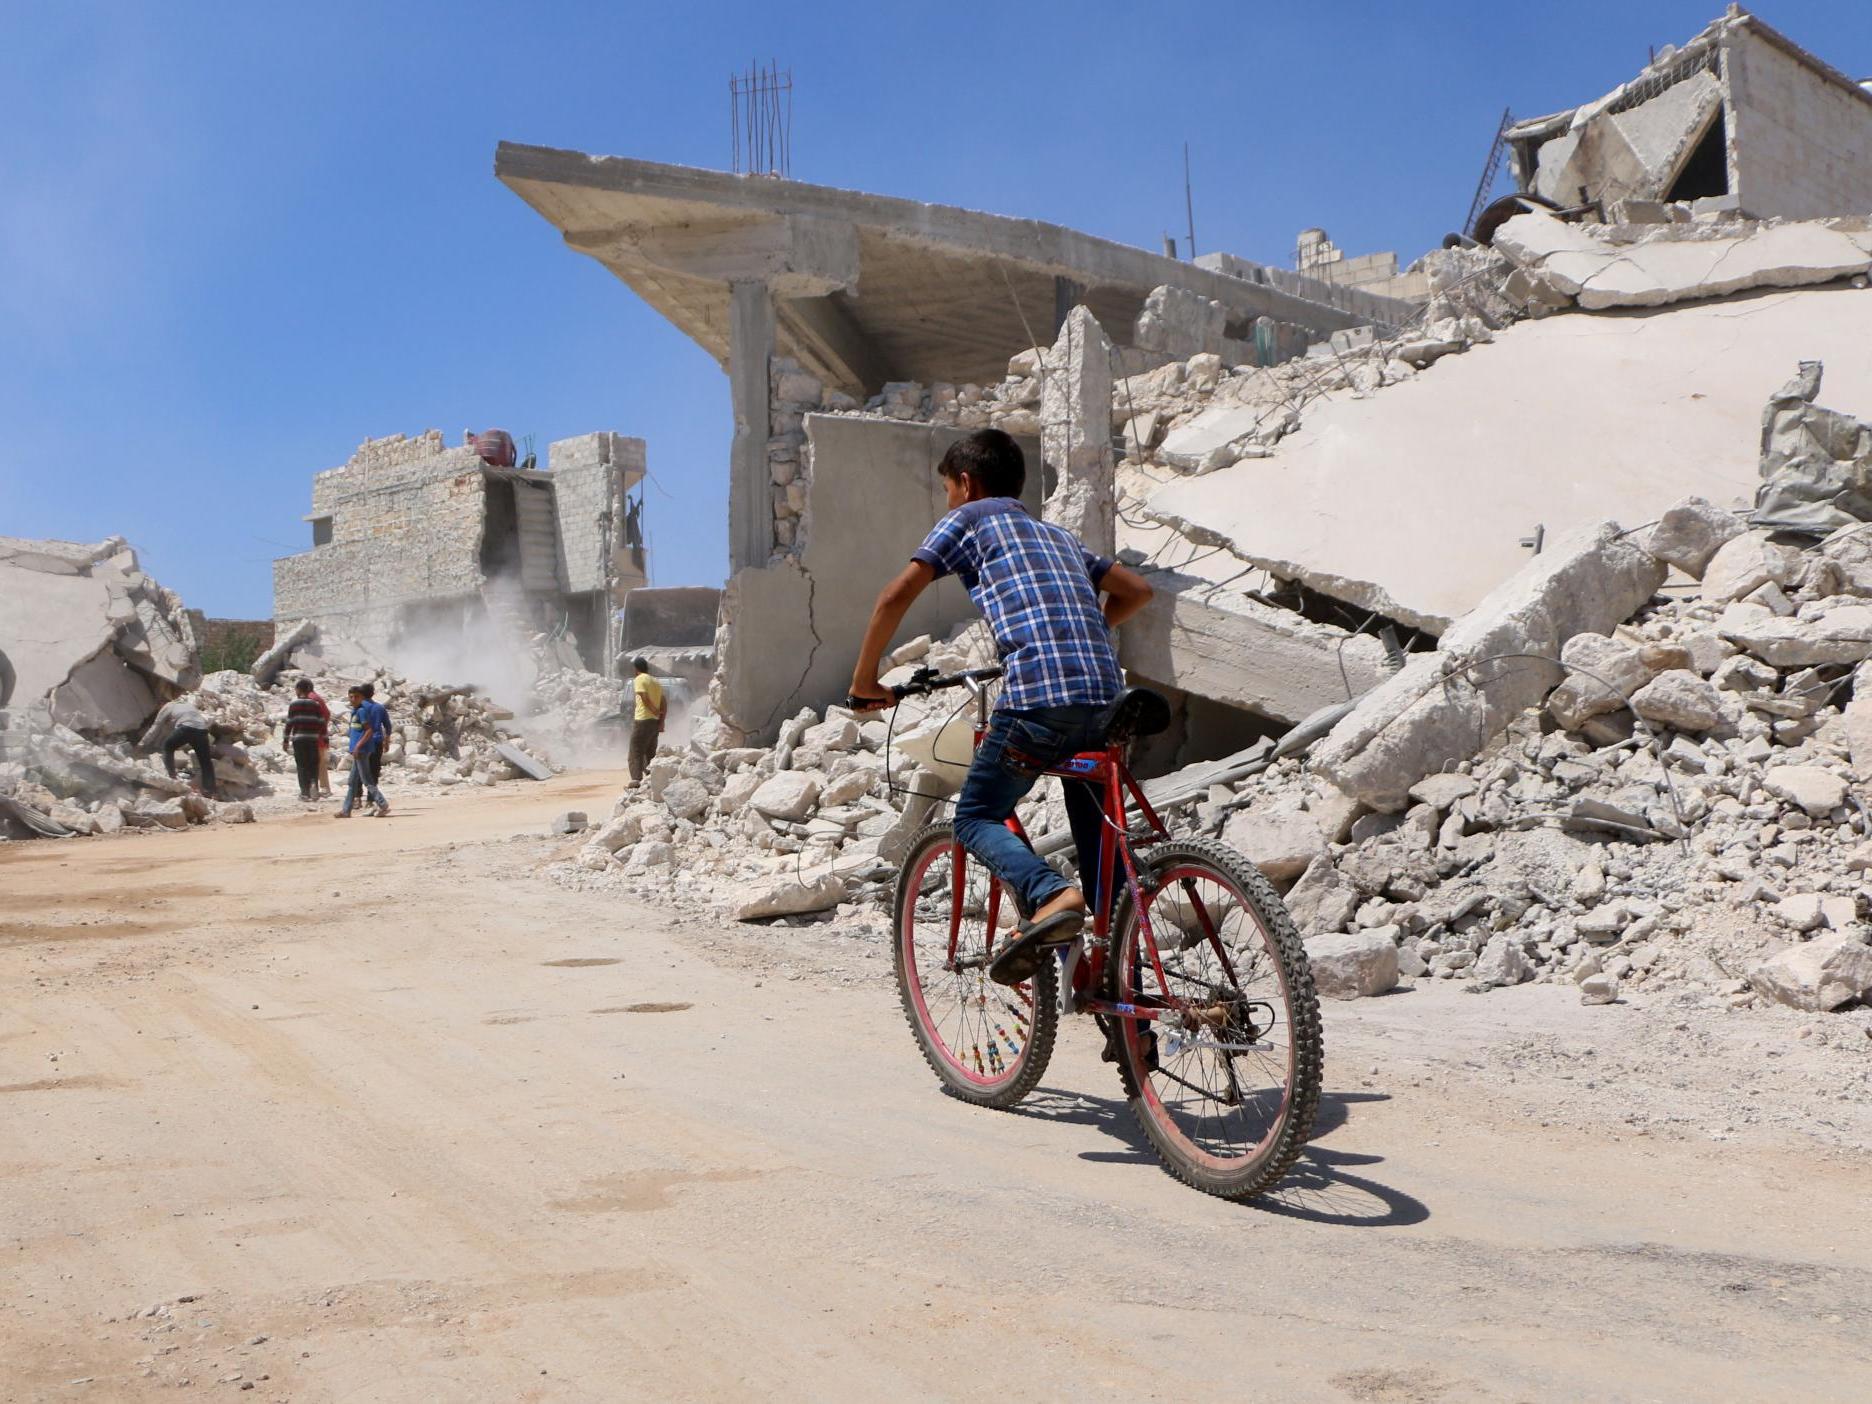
(1108, 771)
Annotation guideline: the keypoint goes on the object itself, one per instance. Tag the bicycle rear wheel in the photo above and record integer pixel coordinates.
(988, 1044)
(1225, 1081)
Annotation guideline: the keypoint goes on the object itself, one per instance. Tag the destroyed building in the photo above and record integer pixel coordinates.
(412, 538)
(1740, 118)
(861, 334)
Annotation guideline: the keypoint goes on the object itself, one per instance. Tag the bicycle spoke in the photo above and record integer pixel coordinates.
(978, 1035)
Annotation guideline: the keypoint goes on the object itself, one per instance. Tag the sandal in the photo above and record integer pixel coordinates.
(1016, 965)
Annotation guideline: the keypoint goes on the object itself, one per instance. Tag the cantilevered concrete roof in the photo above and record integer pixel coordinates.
(868, 288)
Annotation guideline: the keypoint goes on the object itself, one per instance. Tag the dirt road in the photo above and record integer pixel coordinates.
(369, 1111)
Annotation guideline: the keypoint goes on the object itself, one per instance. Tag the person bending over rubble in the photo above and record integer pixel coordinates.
(370, 727)
(181, 723)
(647, 721)
(1039, 588)
(304, 731)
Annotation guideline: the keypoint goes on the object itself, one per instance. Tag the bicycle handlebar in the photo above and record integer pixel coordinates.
(925, 681)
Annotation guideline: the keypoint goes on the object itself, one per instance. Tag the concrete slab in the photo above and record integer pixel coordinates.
(1414, 501)
(868, 288)
(48, 625)
(1216, 427)
(104, 695)
(1228, 648)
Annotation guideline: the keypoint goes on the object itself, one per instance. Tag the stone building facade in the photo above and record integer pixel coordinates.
(413, 537)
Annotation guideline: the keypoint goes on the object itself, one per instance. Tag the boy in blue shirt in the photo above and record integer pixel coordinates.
(370, 728)
(1039, 589)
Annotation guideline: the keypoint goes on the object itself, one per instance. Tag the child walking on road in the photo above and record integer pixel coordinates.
(370, 728)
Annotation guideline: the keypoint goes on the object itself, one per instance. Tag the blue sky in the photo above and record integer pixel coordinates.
(235, 240)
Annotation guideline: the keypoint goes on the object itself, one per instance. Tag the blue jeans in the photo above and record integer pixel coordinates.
(364, 768)
(1018, 746)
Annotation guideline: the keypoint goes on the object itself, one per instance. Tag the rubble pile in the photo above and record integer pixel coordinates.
(1669, 806)
(445, 734)
(817, 821)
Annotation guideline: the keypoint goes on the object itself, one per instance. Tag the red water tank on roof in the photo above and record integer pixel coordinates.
(495, 446)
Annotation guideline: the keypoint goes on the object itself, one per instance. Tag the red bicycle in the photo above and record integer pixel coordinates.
(1195, 975)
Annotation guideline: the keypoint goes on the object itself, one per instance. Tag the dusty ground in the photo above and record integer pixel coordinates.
(368, 1111)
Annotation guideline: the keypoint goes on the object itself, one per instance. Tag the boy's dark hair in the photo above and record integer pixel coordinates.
(991, 458)
(642, 665)
(303, 687)
(366, 690)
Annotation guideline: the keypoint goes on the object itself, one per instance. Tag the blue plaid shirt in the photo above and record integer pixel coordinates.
(1038, 588)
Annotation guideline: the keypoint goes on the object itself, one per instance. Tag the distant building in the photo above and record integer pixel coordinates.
(1740, 117)
(411, 537)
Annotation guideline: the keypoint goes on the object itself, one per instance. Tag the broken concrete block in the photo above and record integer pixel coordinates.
(1281, 843)
(1322, 900)
(1502, 962)
(1801, 911)
(831, 735)
(687, 798)
(1443, 707)
(1691, 532)
(1818, 792)
(791, 794)
(1598, 988)
(1841, 635)
(1679, 698)
(522, 762)
(1594, 661)
(1354, 964)
(104, 696)
(789, 897)
(1743, 564)
(267, 666)
(1179, 322)
(1443, 789)
(573, 821)
(1226, 647)
(239, 813)
(1212, 431)
(1818, 975)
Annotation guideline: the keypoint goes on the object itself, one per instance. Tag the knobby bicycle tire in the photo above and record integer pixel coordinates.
(1261, 1171)
(952, 1066)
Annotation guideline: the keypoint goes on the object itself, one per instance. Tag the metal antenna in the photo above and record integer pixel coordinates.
(1189, 204)
(760, 120)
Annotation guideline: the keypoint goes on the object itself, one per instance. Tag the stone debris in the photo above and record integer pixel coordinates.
(1600, 266)
(1517, 823)
(444, 734)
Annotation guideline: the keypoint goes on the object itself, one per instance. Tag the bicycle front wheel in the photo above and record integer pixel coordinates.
(1225, 1080)
(988, 1044)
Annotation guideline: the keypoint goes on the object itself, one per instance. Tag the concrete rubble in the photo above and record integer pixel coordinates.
(1708, 845)
(64, 782)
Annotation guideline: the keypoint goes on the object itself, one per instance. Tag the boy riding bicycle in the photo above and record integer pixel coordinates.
(1039, 589)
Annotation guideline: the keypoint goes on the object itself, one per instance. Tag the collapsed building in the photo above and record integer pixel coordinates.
(1740, 119)
(861, 334)
(1562, 629)
(412, 539)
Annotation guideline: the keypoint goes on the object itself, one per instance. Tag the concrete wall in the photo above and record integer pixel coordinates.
(583, 473)
(406, 519)
(1363, 303)
(1802, 143)
(792, 628)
